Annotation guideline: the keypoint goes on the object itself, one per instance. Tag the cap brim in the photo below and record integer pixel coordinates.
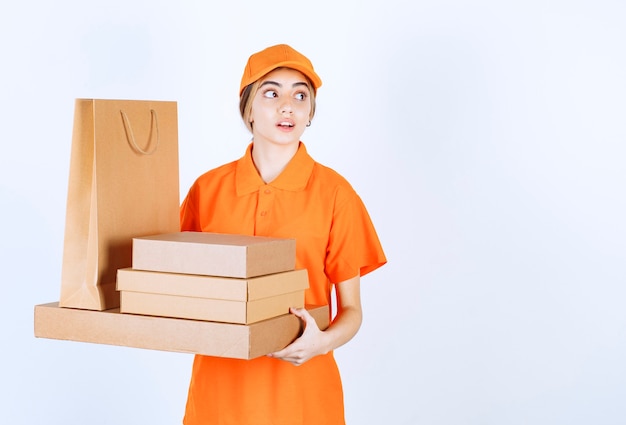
(310, 74)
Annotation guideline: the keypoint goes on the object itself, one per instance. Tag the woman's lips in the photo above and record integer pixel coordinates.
(285, 125)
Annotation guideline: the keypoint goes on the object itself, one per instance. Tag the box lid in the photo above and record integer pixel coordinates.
(223, 288)
(214, 254)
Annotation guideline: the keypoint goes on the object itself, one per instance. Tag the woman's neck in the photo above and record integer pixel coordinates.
(271, 160)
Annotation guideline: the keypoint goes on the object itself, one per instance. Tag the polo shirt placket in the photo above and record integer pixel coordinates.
(263, 216)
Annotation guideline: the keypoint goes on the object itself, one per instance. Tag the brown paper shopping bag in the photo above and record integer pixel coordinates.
(123, 183)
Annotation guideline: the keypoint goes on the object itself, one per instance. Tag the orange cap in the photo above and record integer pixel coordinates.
(274, 57)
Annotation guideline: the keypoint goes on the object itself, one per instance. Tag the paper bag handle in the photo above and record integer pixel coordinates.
(131, 136)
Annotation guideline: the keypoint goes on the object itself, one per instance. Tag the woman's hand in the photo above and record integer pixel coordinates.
(314, 342)
(311, 343)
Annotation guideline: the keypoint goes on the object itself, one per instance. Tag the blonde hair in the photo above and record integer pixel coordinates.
(249, 92)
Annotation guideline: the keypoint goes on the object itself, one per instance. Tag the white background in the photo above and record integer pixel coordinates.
(487, 139)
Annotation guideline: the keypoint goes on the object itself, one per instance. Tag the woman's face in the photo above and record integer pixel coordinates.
(281, 107)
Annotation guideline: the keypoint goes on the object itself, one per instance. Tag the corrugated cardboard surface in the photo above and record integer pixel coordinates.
(166, 334)
(219, 288)
(214, 254)
(228, 311)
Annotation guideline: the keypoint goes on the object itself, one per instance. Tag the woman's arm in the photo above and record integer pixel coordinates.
(313, 341)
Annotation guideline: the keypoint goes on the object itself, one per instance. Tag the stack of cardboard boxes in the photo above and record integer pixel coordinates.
(210, 276)
(195, 292)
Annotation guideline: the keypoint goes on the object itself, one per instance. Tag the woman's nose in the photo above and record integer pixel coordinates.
(286, 107)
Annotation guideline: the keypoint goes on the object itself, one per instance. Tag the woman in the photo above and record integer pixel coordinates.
(276, 189)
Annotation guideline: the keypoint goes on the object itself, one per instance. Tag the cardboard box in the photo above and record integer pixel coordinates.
(209, 309)
(218, 299)
(214, 254)
(166, 334)
(221, 288)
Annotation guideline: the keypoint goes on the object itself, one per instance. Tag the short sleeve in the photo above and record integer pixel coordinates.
(353, 245)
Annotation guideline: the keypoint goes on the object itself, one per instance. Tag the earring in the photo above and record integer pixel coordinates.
(309, 124)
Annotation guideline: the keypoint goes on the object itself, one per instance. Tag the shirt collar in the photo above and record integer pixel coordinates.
(294, 177)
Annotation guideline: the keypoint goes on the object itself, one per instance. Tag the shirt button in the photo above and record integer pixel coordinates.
(263, 213)
(267, 191)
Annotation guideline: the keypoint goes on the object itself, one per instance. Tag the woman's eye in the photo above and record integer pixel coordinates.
(270, 94)
(301, 96)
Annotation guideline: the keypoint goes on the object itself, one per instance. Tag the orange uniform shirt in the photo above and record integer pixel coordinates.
(335, 240)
